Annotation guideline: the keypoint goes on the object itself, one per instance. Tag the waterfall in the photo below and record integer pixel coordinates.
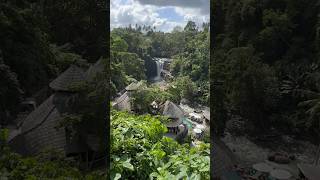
(158, 70)
(159, 63)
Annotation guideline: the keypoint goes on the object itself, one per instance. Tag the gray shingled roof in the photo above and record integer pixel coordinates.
(174, 112)
(46, 136)
(72, 75)
(206, 114)
(39, 128)
(93, 70)
(123, 102)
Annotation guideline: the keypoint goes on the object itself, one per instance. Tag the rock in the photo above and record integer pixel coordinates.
(184, 101)
(280, 158)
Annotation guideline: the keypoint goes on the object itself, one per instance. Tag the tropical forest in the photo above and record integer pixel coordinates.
(54, 89)
(265, 87)
(160, 117)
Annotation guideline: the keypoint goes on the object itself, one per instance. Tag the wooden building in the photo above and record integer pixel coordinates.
(175, 115)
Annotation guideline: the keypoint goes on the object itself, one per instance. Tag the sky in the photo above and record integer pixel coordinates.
(163, 14)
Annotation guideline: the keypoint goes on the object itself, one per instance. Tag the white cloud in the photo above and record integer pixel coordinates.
(192, 14)
(203, 5)
(123, 13)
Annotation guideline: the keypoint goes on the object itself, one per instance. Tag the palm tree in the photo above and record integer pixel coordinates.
(312, 106)
(313, 110)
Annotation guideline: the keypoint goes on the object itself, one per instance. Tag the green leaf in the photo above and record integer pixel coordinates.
(128, 165)
(118, 176)
(195, 176)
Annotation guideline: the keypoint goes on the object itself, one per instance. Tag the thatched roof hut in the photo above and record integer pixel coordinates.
(69, 77)
(123, 102)
(38, 131)
(174, 112)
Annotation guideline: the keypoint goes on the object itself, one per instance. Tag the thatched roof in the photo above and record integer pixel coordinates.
(174, 112)
(123, 102)
(134, 86)
(93, 70)
(206, 114)
(72, 75)
(38, 129)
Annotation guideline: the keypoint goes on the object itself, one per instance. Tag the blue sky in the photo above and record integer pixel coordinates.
(163, 14)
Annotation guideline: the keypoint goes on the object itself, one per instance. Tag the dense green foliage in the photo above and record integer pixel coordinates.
(266, 55)
(144, 96)
(25, 47)
(192, 64)
(140, 151)
(10, 92)
(133, 49)
(125, 65)
(41, 39)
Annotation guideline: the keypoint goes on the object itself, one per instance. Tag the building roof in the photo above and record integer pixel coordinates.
(72, 75)
(206, 114)
(39, 131)
(94, 69)
(174, 112)
(123, 102)
(39, 128)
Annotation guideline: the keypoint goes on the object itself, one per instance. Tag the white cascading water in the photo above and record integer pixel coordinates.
(159, 63)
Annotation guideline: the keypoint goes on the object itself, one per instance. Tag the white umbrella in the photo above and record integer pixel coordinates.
(199, 126)
(197, 131)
